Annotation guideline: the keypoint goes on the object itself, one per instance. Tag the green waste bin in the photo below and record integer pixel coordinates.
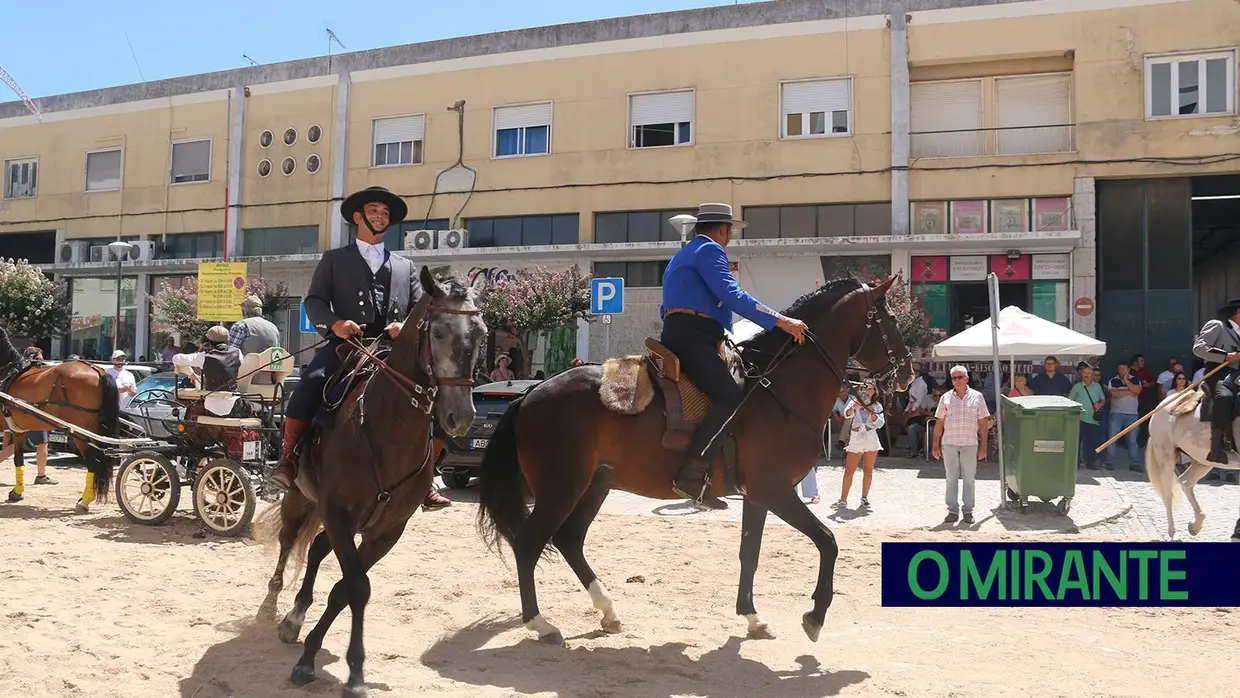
(1041, 445)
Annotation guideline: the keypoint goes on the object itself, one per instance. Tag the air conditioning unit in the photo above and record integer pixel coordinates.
(99, 253)
(453, 239)
(141, 251)
(73, 252)
(419, 240)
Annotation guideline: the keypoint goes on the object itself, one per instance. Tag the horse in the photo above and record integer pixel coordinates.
(569, 442)
(1177, 425)
(369, 471)
(75, 392)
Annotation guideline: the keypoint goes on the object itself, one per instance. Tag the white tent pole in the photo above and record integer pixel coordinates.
(993, 281)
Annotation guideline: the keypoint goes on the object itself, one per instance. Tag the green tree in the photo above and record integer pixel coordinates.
(32, 305)
(536, 302)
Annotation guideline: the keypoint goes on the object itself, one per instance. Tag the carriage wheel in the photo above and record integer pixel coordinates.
(148, 488)
(224, 498)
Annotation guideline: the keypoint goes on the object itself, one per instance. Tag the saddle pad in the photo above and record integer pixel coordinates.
(693, 402)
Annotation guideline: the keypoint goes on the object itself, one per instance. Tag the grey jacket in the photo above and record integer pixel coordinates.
(261, 334)
(340, 290)
(1215, 341)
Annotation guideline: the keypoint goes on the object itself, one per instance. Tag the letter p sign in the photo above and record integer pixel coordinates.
(607, 296)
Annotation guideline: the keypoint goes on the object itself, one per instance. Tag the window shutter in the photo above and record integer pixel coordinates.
(521, 115)
(103, 170)
(191, 159)
(661, 108)
(399, 129)
(817, 96)
(1034, 100)
(947, 106)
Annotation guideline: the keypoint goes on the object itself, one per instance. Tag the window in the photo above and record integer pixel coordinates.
(313, 163)
(302, 239)
(21, 178)
(398, 140)
(523, 231)
(190, 246)
(103, 170)
(265, 138)
(1190, 85)
(825, 221)
(191, 161)
(635, 274)
(314, 133)
(290, 136)
(394, 236)
(661, 119)
(815, 107)
(523, 129)
(946, 119)
(637, 226)
(1033, 113)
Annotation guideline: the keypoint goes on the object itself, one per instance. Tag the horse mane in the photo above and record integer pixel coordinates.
(768, 342)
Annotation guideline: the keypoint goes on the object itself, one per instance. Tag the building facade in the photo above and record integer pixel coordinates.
(1058, 143)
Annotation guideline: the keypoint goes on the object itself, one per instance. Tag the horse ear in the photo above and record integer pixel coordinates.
(479, 284)
(880, 291)
(429, 284)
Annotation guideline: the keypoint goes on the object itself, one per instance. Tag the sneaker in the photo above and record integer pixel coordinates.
(968, 519)
(865, 502)
(951, 517)
(45, 480)
(841, 504)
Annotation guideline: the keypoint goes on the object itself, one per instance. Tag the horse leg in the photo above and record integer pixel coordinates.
(784, 502)
(753, 521)
(571, 538)
(84, 449)
(19, 474)
(1188, 481)
(544, 521)
(360, 559)
(290, 627)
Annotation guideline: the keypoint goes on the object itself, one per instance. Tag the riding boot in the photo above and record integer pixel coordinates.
(1235, 535)
(1218, 451)
(284, 474)
(691, 483)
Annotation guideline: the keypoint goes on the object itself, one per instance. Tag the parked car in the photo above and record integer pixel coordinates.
(463, 456)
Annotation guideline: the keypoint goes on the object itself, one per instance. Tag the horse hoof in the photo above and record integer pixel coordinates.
(811, 627)
(82, 508)
(302, 675)
(288, 632)
(353, 691)
(1194, 528)
(762, 631)
(555, 639)
(611, 627)
(14, 496)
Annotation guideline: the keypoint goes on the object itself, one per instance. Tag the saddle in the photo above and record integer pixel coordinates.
(1189, 403)
(345, 380)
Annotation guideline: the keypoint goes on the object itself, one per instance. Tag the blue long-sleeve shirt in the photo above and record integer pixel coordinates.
(699, 278)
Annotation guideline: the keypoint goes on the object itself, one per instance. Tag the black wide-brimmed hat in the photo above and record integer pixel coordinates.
(1232, 306)
(397, 210)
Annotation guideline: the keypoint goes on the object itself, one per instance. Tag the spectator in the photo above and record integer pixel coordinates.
(865, 419)
(1089, 395)
(1050, 381)
(502, 372)
(916, 421)
(125, 383)
(1167, 377)
(169, 350)
(1125, 391)
(1020, 386)
(960, 436)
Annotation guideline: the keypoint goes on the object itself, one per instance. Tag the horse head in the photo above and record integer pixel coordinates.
(456, 336)
(880, 346)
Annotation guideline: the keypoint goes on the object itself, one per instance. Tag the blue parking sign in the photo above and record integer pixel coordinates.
(307, 327)
(607, 296)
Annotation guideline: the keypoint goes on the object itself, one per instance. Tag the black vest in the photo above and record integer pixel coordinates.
(381, 293)
(220, 366)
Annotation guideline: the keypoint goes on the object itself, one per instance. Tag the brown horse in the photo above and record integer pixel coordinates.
(76, 392)
(369, 471)
(569, 449)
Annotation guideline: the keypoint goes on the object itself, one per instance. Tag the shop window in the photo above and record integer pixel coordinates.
(824, 221)
(638, 226)
(190, 246)
(280, 241)
(635, 274)
(523, 231)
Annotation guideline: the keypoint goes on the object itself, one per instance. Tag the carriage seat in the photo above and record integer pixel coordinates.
(261, 376)
(242, 422)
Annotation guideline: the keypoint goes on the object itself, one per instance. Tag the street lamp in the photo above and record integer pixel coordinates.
(121, 251)
(684, 221)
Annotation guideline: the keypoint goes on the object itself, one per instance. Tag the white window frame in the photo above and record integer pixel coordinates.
(783, 117)
(1200, 56)
(86, 169)
(371, 144)
(4, 177)
(210, 157)
(495, 131)
(628, 119)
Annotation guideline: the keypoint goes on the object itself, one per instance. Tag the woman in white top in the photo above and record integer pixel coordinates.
(865, 419)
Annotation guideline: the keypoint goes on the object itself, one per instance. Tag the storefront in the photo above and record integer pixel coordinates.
(94, 333)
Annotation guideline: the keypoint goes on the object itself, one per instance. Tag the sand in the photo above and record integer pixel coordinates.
(97, 606)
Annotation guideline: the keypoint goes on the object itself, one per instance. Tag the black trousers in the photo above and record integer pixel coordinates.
(696, 342)
(1222, 387)
(308, 395)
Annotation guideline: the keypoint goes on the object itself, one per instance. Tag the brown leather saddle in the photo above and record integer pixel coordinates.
(685, 405)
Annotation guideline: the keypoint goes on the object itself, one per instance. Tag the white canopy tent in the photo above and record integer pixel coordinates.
(1021, 336)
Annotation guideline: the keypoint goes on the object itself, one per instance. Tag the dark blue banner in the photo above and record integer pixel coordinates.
(1061, 574)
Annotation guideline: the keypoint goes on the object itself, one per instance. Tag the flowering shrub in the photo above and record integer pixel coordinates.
(911, 319)
(177, 307)
(536, 302)
(31, 304)
(275, 295)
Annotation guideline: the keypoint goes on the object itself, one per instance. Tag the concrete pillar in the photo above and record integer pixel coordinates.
(340, 151)
(1084, 258)
(899, 120)
(142, 318)
(583, 339)
(235, 163)
(900, 262)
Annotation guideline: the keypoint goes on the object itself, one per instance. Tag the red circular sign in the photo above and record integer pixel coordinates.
(1084, 306)
(239, 282)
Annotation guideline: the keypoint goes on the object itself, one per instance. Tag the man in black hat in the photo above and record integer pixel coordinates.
(360, 290)
(699, 296)
(1217, 343)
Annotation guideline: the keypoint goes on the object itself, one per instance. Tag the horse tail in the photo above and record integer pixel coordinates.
(501, 486)
(98, 462)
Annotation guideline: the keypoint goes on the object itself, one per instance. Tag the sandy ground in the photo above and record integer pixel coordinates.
(100, 607)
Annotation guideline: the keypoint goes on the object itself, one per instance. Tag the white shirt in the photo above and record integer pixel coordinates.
(124, 380)
(917, 392)
(1165, 379)
(373, 254)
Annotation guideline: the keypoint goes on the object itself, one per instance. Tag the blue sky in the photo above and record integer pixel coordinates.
(58, 46)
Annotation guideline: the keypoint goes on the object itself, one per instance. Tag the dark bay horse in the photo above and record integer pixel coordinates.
(76, 392)
(569, 450)
(369, 471)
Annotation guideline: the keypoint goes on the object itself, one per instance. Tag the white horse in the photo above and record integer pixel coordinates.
(1177, 426)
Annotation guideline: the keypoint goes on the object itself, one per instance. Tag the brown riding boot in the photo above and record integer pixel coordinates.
(691, 483)
(284, 474)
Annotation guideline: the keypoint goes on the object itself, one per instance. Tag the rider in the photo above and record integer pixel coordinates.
(218, 361)
(1217, 343)
(699, 296)
(353, 293)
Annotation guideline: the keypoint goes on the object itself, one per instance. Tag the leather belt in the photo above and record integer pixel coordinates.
(687, 311)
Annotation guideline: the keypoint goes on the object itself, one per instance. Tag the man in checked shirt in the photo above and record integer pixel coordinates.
(960, 440)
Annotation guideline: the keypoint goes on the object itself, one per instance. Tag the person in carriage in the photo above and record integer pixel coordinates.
(217, 363)
(355, 292)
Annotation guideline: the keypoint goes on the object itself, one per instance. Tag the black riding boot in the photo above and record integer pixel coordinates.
(691, 483)
(1218, 449)
(1235, 535)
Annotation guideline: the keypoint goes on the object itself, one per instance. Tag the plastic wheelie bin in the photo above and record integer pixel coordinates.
(1041, 446)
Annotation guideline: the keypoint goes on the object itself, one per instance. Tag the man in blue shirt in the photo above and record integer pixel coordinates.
(699, 296)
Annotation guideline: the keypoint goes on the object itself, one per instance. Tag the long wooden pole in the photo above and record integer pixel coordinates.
(1154, 411)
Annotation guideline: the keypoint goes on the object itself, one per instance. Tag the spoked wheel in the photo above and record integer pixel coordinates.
(148, 488)
(224, 498)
